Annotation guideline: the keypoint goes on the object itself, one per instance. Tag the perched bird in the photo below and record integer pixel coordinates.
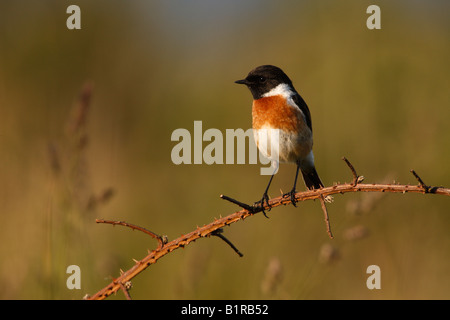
(277, 105)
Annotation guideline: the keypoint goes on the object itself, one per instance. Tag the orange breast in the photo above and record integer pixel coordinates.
(275, 112)
(295, 137)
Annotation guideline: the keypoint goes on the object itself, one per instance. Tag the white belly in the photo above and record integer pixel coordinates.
(282, 146)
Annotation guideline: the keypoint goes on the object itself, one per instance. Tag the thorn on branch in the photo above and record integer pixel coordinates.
(356, 179)
(218, 233)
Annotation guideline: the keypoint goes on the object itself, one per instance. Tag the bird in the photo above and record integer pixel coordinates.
(277, 105)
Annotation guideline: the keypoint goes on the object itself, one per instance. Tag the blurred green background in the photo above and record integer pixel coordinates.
(379, 97)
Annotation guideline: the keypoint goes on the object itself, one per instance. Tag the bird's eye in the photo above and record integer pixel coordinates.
(261, 79)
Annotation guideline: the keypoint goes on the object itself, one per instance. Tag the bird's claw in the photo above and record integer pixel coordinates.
(260, 204)
(291, 196)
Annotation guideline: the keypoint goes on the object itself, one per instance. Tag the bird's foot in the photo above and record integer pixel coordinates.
(260, 203)
(291, 196)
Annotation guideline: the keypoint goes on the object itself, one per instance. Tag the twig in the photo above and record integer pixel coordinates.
(245, 206)
(218, 233)
(325, 215)
(356, 178)
(422, 184)
(161, 239)
(213, 227)
(125, 289)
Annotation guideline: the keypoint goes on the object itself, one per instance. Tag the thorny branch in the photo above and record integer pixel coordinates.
(161, 239)
(215, 228)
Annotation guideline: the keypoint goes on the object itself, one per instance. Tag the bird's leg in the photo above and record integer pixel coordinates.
(265, 198)
(291, 194)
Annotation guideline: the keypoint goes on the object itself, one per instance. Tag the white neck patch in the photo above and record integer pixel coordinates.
(283, 89)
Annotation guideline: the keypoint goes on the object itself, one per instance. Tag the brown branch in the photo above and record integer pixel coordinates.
(325, 215)
(161, 239)
(214, 228)
(355, 175)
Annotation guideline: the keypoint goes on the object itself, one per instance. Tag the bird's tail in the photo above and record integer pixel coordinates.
(311, 178)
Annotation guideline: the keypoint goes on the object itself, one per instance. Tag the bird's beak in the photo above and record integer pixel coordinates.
(243, 81)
